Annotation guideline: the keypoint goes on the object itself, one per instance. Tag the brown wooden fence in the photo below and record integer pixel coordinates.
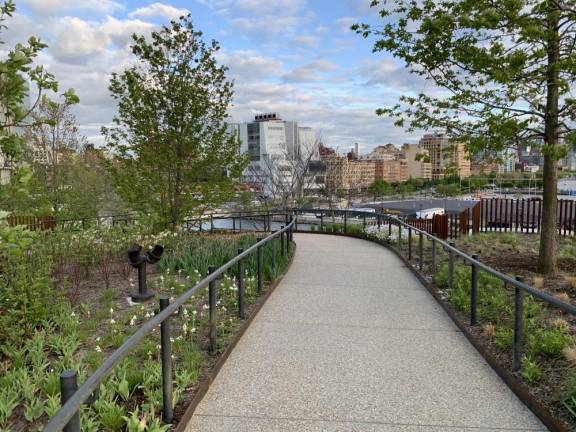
(33, 222)
(451, 226)
(524, 215)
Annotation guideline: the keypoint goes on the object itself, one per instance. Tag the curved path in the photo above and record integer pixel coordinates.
(351, 341)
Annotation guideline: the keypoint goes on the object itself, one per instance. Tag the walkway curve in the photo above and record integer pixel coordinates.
(351, 341)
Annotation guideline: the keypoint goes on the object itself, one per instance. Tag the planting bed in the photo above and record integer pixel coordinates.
(84, 316)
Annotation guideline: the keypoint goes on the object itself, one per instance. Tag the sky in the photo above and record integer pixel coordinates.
(298, 58)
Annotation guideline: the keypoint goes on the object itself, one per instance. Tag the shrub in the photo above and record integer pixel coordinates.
(504, 337)
(548, 341)
(531, 371)
(25, 283)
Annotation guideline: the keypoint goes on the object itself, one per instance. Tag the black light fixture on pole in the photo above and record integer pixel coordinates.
(139, 262)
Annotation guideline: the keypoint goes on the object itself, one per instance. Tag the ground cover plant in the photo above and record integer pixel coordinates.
(61, 312)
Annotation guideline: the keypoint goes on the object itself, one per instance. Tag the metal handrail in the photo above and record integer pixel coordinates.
(73, 405)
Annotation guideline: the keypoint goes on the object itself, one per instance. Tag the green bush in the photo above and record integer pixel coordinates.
(25, 283)
(548, 341)
(531, 371)
(504, 337)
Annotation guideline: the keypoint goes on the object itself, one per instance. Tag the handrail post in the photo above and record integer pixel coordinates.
(518, 316)
(409, 244)
(474, 293)
(68, 386)
(450, 266)
(364, 222)
(282, 250)
(433, 256)
(212, 304)
(389, 227)
(345, 221)
(233, 224)
(421, 250)
(399, 237)
(166, 364)
(321, 221)
(273, 247)
(211, 223)
(260, 264)
(379, 221)
(240, 286)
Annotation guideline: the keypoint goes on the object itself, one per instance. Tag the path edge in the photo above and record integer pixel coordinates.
(206, 383)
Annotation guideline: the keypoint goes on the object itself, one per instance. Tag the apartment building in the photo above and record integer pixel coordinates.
(391, 171)
(275, 148)
(445, 155)
(417, 160)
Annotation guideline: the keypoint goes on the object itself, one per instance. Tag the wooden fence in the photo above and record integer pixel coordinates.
(524, 215)
(33, 222)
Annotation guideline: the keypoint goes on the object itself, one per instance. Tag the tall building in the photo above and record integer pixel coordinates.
(390, 171)
(275, 148)
(417, 161)
(445, 155)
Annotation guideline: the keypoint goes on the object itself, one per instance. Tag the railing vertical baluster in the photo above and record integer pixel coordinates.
(211, 223)
(474, 293)
(68, 386)
(379, 221)
(399, 238)
(433, 256)
(450, 266)
(409, 244)
(282, 250)
(166, 364)
(389, 228)
(212, 304)
(518, 315)
(364, 223)
(260, 265)
(345, 221)
(240, 222)
(233, 223)
(321, 221)
(421, 250)
(240, 286)
(273, 253)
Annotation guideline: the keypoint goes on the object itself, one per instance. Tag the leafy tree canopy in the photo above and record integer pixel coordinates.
(175, 154)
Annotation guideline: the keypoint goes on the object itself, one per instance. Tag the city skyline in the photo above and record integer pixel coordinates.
(297, 57)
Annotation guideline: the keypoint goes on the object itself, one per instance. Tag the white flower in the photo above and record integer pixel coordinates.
(72, 314)
(193, 330)
(98, 339)
(194, 312)
(205, 307)
(111, 311)
(112, 321)
(133, 320)
(98, 349)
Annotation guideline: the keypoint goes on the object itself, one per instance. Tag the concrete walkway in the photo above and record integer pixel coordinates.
(351, 341)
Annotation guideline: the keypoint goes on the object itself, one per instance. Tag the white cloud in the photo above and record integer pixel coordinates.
(248, 66)
(77, 41)
(159, 10)
(57, 7)
(310, 72)
(305, 41)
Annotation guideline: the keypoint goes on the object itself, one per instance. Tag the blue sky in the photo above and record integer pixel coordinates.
(294, 57)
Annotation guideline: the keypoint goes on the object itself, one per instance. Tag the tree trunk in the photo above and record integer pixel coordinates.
(547, 258)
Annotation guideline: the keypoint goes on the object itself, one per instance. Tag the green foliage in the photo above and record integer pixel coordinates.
(175, 153)
(548, 342)
(25, 284)
(504, 337)
(531, 371)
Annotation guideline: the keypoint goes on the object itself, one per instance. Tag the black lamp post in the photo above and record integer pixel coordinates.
(139, 262)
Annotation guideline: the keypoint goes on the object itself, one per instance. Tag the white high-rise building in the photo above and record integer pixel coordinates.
(275, 147)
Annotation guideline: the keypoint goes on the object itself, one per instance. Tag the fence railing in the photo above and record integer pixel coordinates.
(402, 234)
(525, 215)
(68, 417)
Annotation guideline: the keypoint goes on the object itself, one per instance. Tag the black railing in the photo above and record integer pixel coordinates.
(68, 419)
(399, 227)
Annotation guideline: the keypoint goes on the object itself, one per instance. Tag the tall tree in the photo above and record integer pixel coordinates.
(175, 154)
(506, 70)
(18, 74)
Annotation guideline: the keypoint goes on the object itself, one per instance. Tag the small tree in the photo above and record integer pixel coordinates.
(507, 70)
(52, 142)
(175, 155)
